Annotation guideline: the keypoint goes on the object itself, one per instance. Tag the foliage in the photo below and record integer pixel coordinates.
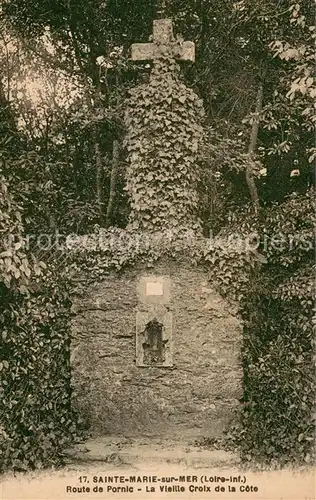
(300, 81)
(16, 266)
(115, 249)
(36, 420)
(222, 186)
(238, 46)
(278, 419)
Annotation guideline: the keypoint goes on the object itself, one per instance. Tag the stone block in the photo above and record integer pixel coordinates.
(162, 30)
(143, 51)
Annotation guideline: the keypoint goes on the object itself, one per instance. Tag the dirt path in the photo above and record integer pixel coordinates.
(141, 469)
(141, 453)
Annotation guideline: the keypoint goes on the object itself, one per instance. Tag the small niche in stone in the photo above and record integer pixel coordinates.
(154, 345)
(154, 338)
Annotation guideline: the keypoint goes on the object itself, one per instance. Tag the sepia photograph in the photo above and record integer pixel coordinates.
(157, 249)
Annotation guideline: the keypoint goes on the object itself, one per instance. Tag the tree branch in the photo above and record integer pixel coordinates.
(113, 182)
(251, 152)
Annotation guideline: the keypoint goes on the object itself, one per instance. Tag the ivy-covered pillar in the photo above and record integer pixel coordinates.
(164, 132)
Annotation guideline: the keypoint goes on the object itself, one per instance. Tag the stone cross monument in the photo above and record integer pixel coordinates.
(162, 34)
(165, 119)
(155, 350)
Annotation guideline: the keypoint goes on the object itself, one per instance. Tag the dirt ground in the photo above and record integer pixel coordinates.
(123, 468)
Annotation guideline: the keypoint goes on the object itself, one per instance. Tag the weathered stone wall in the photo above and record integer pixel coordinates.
(194, 397)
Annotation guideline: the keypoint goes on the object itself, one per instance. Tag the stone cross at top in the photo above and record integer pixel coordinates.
(162, 34)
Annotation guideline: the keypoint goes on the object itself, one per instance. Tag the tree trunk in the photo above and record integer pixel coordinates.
(251, 151)
(113, 182)
(98, 154)
(99, 178)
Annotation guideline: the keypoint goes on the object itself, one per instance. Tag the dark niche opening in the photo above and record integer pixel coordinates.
(154, 345)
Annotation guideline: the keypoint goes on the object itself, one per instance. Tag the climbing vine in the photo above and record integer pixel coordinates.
(114, 249)
(163, 120)
(36, 420)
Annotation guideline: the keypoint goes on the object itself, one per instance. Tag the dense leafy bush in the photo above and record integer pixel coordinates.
(279, 382)
(278, 420)
(36, 420)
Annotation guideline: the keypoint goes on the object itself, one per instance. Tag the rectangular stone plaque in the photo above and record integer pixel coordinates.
(154, 288)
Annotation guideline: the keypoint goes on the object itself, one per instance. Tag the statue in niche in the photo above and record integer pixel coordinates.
(154, 345)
